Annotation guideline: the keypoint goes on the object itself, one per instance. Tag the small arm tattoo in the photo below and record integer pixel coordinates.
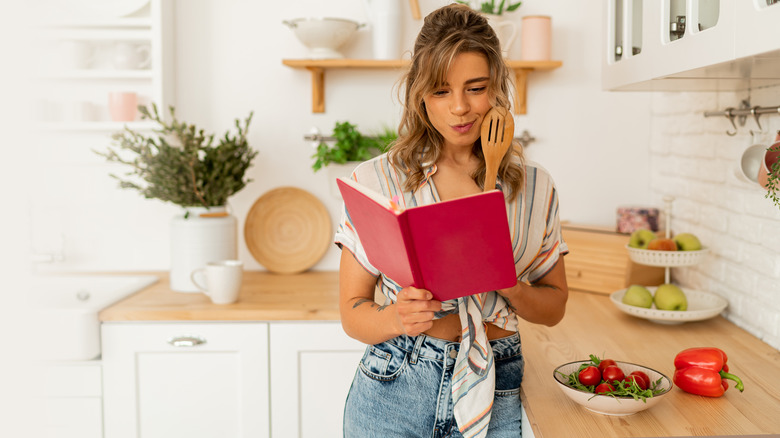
(371, 303)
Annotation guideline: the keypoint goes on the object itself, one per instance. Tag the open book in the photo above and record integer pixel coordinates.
(452, 248)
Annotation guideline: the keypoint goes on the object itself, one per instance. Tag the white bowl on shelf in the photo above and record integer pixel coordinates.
(701, 306)
(323, 36)
(607, 404)
(671, 259)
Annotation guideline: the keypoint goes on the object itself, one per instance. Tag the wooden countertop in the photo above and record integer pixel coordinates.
(264, 297)
(592, 325)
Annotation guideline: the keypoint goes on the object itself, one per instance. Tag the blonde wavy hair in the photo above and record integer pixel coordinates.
(446, 33)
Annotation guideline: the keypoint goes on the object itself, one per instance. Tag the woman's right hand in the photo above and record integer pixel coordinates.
(415, 309)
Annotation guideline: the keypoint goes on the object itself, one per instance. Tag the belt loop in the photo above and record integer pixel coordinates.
(416, 350)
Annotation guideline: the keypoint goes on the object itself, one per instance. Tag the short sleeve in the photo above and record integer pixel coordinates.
(553, 245)
(347, 238)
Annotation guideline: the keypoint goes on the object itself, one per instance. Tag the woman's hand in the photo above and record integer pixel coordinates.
(415, 309)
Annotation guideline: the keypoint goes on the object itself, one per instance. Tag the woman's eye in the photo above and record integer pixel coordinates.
(477, 89)
(440, 92)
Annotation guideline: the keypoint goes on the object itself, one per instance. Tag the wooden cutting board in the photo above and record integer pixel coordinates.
(288, 230)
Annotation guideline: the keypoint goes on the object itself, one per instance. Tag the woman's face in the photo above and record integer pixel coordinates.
(456, 109)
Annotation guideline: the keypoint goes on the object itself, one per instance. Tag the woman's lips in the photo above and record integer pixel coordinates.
(462, 129)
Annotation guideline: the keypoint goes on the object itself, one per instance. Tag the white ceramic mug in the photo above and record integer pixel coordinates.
(223, 280)
(129, 56)
(75, 54)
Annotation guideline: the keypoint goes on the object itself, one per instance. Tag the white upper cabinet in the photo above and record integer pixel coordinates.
(96, 61)
(692, 45)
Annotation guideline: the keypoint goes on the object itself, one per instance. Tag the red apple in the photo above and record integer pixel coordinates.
(662, 244)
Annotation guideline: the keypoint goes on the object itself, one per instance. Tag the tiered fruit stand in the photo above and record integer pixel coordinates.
(701, 305)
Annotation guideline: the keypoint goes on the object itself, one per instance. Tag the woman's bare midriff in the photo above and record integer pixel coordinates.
(449, 328)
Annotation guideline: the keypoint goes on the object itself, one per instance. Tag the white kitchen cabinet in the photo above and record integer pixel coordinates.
(71, 399)
(163, 380)
(719, 45)
(85, 52)
(312, 366)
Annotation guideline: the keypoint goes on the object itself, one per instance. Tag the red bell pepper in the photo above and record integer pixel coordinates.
(703, 371)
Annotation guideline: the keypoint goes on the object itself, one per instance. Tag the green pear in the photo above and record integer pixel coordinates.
(670, 297)
(687, 242)
(638, 296)
(641, 238)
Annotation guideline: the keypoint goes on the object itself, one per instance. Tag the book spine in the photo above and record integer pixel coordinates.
(411, 252)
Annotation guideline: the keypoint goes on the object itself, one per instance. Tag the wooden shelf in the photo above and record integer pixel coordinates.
(317, 68)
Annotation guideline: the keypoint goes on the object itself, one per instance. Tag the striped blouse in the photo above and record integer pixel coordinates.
(536, 241)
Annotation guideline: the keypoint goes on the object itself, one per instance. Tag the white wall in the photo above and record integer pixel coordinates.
(694, 161)
(228, 62)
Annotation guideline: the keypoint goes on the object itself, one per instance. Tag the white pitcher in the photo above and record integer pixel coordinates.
(506, 32)
(385, 17)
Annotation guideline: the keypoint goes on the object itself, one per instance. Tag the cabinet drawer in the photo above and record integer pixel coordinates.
(598, 261)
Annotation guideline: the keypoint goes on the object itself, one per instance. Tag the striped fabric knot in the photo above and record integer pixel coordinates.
(473, 381)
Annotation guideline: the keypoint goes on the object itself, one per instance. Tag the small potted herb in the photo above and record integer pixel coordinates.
(773, 176)
(351, 146)
(491, 7)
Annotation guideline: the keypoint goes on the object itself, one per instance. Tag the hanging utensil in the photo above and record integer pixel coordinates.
(498, 129)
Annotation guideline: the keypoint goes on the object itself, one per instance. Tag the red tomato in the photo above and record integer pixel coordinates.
(590, 376)
(604, 388)
(643, 375)
(640, 381)
(605, 363)
(612, 373)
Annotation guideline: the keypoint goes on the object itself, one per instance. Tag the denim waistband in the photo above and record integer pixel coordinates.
(438, 349)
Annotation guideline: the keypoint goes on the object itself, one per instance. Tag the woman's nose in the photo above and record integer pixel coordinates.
(460, 104)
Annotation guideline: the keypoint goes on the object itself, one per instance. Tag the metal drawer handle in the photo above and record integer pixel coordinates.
(186, 341)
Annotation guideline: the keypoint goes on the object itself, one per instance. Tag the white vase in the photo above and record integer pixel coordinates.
(385, 16)
(197, 240)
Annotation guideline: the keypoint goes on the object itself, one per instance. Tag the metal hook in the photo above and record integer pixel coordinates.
(730, 115)
(756, 116)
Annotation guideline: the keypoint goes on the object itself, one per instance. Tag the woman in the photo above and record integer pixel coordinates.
(447, 369)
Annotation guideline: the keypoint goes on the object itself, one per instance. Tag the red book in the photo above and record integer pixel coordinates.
(452, 248)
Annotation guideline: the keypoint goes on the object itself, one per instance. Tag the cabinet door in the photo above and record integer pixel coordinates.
(758, 30)
(312, 366)
(164, 380)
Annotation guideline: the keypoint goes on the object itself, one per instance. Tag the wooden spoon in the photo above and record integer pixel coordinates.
(498, 130)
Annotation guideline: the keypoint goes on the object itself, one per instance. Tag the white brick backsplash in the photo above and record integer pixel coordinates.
(747, 228)
(694, 160)
(684, 103)
(740, 280)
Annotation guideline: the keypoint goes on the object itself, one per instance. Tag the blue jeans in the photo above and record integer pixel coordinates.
(402, 388)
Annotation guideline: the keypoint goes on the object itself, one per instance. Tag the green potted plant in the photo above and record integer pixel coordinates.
(490, 7)
(773, 176)
(350, 148)
(181, 164)
(506, 30)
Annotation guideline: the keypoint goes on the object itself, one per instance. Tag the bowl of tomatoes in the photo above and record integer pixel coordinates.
(610, 387)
